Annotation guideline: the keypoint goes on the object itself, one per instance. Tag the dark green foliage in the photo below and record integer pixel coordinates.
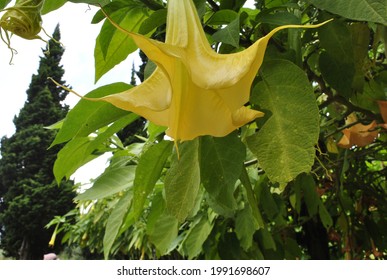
(30, 197)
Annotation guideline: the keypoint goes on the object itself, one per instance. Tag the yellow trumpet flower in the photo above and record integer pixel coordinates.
(194, 91)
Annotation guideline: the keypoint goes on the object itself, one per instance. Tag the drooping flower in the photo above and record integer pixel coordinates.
(24, 20)
(194, 91)
(358, 135)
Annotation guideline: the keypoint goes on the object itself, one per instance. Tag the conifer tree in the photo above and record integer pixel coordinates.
(29, 195)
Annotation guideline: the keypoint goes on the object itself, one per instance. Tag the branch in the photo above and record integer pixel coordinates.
(214, 6)
(336, 97)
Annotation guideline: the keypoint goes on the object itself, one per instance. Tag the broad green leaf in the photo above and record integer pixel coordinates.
(360, 33)
(166, 231)
(222, 17)
(251, 198)
(284, 145)
(337, 74)
(229, 34)
(245, 226)
(362, 10)
(87, 116)
(221, 162)
(113, 46)
(51, 5)
(148, 171)
(73, 155)
(266, 240)
(372, 92)
(197, 235)
(110, 182)
(4, 3)
(154, 130)
(157, 208)
(325, 217)
(155, 20)
(92, 2)
(337, 64)
(200, 7)
(232, 5)
(279, 18)
(115, 221)
(183, 180)
(267, 202)
(335, 38)
(275, 3)
(311, 198)
(162, 228)
(81, 150)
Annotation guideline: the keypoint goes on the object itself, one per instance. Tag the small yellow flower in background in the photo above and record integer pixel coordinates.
(358, 134)
(194, 91)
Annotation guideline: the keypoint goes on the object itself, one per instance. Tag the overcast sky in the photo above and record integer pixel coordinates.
(78, 36)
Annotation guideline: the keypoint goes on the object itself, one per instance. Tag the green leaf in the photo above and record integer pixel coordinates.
(4, 3)
(325, 217)
(360, 33)
(251, 198)
(110, 182)
(115, 221)
(337, 64)
(166, 230)
(335, 38)
(81, 150)
(155, 20)
(148, 172)
(279, 18)
(311, 198)
(267, 202)
(162, 228)
(229, 34)
(183, 180)
(112, 45)
(197, 235)
(51, 5)
(221, 162)
(88, 116)
(372, 92)
(73, 155)
(95, 2)
(362, 10)
(245, 226)
(222, 17)
(337, 74)
(266, 240)
(284, 145)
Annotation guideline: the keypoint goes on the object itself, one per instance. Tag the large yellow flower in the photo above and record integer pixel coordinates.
(194, 91)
